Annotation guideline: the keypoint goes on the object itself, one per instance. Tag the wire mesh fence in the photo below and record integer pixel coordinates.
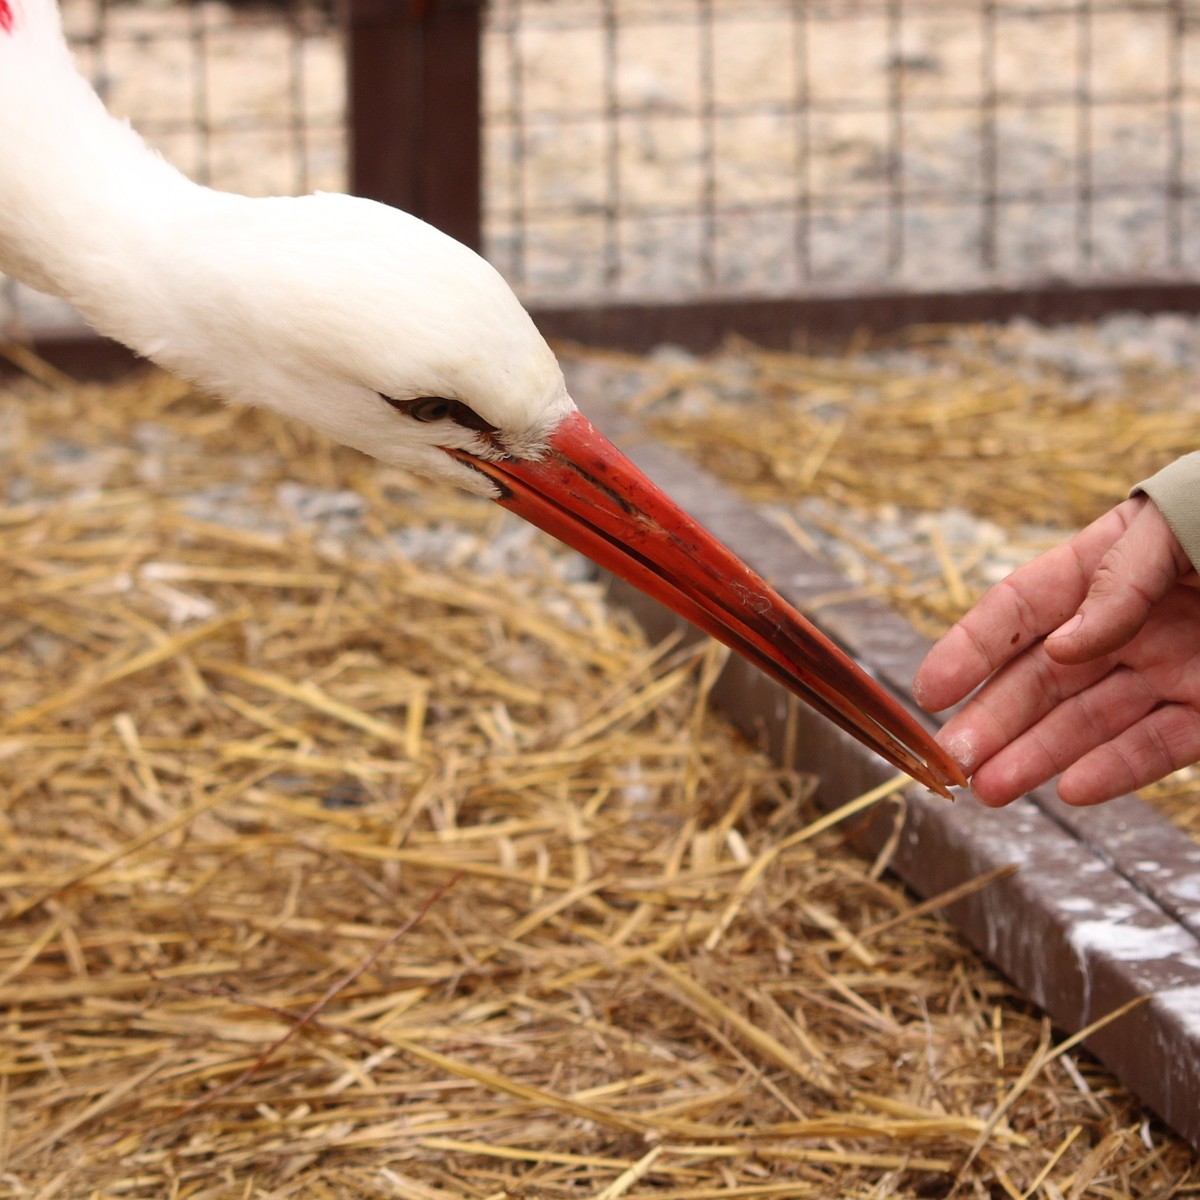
(668, 147)
(657, 149)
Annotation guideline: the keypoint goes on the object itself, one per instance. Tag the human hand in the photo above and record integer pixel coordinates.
(1091, 656)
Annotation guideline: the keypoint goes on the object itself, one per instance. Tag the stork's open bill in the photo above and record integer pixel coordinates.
(386, 335)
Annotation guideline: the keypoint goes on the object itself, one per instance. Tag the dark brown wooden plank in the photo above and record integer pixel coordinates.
(822, 321)
(413, 109)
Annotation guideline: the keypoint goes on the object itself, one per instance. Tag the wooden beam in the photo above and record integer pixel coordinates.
(413, 97)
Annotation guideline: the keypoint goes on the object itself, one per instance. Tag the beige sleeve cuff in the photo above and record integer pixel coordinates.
(1176, 492)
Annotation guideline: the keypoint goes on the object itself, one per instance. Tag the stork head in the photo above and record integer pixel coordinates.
(390, 337)
(367, 324)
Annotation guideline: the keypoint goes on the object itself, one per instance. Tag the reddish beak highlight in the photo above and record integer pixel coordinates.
(587, 494)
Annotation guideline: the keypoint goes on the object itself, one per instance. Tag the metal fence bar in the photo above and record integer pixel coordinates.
(802, 165)
(1084, 232)
(612, 149)
(708, 144)
(200, 102)
(297, 104)
(895, 135)
(1175, 185)
(989, 139)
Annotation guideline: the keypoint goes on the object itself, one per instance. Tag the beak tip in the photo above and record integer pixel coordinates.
(945, 774)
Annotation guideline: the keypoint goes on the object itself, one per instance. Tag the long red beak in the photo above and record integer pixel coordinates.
(587, 494)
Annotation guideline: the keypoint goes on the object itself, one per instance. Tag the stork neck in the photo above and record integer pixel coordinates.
(82, 198)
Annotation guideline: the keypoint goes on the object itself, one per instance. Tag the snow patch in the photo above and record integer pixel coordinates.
(1129, 943)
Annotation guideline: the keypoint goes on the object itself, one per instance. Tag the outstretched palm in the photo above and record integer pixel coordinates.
(1111, 698)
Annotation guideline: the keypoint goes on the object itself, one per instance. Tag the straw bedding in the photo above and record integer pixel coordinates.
(349, 852)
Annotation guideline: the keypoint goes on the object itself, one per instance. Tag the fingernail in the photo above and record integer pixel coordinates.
(1068, 627)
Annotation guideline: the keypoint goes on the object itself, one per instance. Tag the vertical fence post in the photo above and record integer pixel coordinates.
(413, 99)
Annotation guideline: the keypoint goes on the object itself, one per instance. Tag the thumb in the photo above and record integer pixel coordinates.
(1136, 572)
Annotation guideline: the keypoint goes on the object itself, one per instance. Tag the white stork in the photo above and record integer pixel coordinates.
(384, 334)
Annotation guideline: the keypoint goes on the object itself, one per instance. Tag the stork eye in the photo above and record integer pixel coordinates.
(430, 409)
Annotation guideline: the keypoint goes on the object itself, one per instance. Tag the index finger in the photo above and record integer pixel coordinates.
(1020, 609)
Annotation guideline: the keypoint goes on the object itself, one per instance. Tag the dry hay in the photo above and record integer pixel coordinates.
(327, 874)
(933, 466)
